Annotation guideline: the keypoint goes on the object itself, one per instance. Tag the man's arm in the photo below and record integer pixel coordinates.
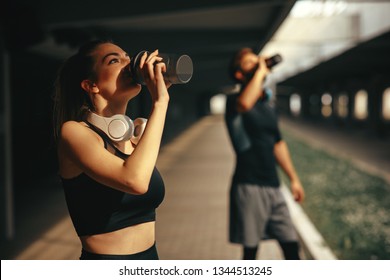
(283, 158)
(253, 90)
(235, 126)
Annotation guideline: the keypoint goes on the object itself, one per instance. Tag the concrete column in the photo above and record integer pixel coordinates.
(378, 87)
(6, 185)
(306, 106)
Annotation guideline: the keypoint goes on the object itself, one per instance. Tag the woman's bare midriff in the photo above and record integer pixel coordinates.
(130, 240)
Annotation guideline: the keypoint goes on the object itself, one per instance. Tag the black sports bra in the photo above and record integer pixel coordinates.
(95, 208)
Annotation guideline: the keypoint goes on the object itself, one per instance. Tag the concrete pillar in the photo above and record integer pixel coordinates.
(379, 84)
(6, 186)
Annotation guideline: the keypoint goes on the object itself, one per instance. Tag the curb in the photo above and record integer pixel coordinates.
(313, 243)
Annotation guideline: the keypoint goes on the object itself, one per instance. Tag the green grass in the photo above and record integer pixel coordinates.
(349, 207)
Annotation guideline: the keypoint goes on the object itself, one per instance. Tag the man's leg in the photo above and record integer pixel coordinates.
(250, 253)
(248, 215)
(281, 227)
(290, 250)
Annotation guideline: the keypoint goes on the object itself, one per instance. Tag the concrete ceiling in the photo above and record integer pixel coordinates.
(209, 31)
(363, 62)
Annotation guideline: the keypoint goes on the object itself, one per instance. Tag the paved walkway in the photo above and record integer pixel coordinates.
(192, 222)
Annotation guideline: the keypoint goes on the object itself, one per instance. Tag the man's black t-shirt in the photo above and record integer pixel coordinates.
(253, 135)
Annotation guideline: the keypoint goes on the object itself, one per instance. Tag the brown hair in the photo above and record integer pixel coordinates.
(236, 61)
(70, 100)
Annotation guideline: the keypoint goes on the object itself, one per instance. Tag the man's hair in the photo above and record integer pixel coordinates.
(236, 61)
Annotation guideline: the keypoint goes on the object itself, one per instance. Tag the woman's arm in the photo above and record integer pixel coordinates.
(132, 175)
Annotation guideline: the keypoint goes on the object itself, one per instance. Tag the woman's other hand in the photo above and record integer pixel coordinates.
(152, 68)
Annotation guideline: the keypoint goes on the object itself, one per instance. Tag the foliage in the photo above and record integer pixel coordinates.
(349, 207)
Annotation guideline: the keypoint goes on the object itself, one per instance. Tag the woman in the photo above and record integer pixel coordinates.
(112, 188)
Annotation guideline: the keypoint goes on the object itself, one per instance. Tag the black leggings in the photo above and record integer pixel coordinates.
(149, 254)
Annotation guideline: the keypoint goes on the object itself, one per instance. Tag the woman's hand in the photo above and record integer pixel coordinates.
(152, 69)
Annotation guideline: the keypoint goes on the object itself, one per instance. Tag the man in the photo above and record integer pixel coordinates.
(257, 206)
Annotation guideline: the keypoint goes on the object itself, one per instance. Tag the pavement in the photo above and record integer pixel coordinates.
(192, 222)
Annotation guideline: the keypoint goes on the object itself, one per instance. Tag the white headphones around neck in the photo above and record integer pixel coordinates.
(119, 127)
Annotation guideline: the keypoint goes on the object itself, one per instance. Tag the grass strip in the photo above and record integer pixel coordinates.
(350, 207)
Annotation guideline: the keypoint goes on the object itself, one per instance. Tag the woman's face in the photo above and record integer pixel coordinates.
(111, 79)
